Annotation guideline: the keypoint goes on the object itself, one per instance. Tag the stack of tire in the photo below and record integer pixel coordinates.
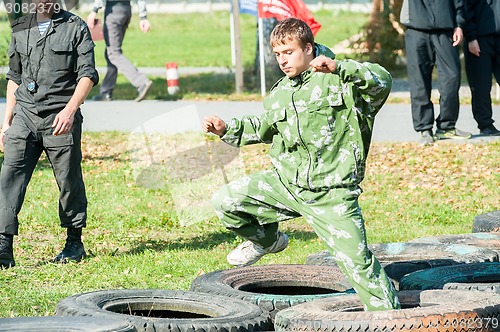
(459, 291)
(445, 283)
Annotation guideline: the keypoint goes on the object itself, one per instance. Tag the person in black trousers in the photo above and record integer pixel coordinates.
(482, 59)
(51, 72)
(434, 30)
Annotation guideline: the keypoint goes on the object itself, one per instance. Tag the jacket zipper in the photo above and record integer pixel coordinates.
(302, 141)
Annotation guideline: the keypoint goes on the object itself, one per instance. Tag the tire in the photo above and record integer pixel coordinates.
(168, 310)
(275, 287)
(487, 222)
(401, 258)
(484, 240)
(475, 276)
(65, 324)
(430, 310)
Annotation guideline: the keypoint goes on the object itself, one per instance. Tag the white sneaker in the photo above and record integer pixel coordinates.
(248, 252)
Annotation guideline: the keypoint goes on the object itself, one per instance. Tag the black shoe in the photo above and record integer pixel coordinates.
(452, 134)
(143, 90)
(490, 131)
(426, 137)
(6, 251)
(73, 251)
(102, 97)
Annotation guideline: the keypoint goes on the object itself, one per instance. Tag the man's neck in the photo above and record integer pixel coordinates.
(44, 16)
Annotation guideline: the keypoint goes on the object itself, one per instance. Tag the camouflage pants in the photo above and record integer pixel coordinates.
(253, 205)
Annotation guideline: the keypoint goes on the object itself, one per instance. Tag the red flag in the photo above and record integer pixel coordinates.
(281, 9)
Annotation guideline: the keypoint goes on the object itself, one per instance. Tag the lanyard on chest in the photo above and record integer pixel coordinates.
(33, 74)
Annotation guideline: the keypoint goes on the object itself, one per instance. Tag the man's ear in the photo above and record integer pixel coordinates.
(309, 49)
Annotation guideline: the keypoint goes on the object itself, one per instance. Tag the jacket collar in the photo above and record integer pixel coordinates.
(301, 78)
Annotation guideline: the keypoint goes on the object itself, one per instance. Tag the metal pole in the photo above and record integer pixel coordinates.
(261, 59)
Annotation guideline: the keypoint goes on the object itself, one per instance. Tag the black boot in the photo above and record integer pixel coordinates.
(6, 251)
(73, 250)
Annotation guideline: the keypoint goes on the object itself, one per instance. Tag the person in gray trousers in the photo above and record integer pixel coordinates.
(117, 15)
(433, 32)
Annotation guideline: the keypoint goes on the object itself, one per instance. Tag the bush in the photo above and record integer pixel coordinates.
(4, 45)
(383, 38)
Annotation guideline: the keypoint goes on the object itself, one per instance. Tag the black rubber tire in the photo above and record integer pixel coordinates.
(430, 310)
(275, 287)
(168, 310)
(65, 324)
(401, 258)
(474, 276)
(487, 222)
(455, 253)
(488, 240)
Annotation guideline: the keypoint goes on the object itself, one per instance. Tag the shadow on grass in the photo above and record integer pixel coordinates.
(208, 241)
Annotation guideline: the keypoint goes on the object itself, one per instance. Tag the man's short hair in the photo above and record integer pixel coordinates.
(290, 29)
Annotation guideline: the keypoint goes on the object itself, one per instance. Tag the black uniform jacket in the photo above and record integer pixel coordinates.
(483, 18)
(56, 60)
(432, 14)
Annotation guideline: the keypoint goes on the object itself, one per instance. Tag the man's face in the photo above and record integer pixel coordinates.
(291, 58)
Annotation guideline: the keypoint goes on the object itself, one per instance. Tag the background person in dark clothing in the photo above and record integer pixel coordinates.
(434, 29)
(117, 15)
(51, 72)
(482, 59)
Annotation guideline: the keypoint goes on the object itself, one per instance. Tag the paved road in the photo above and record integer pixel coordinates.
(393, 123)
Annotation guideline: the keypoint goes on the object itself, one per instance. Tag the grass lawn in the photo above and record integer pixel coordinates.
(202, 40)
(135, 238)
(137, 234)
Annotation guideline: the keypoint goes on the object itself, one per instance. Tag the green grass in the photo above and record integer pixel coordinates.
(135, 239)
(203, 40)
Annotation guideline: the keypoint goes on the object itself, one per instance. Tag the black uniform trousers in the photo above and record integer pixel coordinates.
(479, 72)
(424, 50)
(25, 140)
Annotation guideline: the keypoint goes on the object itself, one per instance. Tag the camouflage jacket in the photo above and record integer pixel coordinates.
(320, 125)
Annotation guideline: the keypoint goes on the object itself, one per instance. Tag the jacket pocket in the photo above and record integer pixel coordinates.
(62, 56)
(15, 143)
(323, 114)
(19, 57)
(51, 141)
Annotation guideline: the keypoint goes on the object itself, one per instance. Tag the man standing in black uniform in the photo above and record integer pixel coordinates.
(482, 59)
(51, 72)
(117, 15)
(434, 29)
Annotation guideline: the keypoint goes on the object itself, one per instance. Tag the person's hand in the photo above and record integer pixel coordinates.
(474, 47)
(91, 19)
(63, 122)
(214, 124)
(458, 36)
(144, 25)
(323, 64)
(2, 135)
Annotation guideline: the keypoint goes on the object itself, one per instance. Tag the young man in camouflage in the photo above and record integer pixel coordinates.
(319, 119)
